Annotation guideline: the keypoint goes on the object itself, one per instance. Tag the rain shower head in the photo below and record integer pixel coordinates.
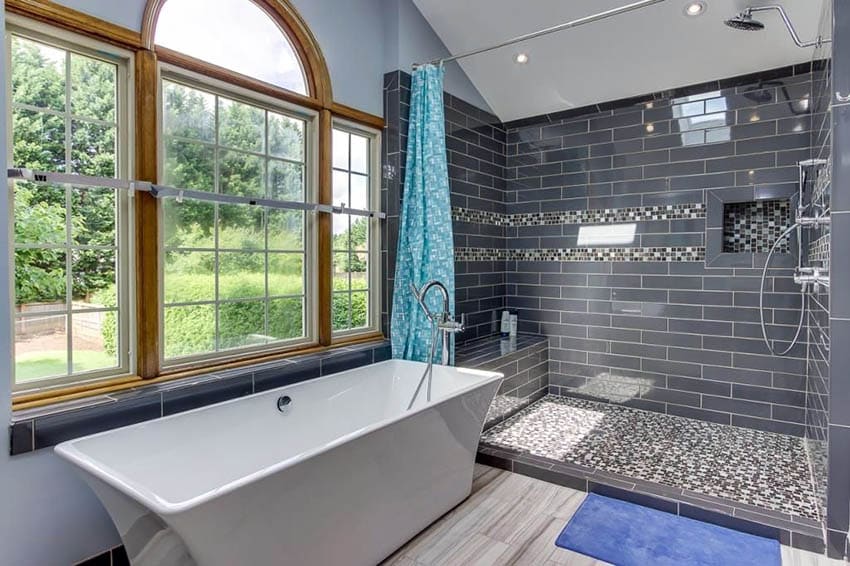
(745, 22)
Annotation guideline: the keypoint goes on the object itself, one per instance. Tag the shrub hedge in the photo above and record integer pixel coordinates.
(191, 329)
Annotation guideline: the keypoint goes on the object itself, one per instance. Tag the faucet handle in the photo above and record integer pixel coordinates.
(451, 325)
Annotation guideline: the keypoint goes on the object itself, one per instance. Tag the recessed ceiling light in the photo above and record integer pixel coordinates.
(521, 58)
(695, 8)
(650, 128)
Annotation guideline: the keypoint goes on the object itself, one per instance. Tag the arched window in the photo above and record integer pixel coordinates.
(233, 34)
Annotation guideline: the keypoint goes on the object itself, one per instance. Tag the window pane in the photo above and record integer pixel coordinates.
(359, 271)
(92, 271)
(189, 165)
(39, 214)
(340, 187)
(61, 226)
(256, 259)
(241, 174)
(286, 181)
(241, 275)
(359, 233)
(359, 154)
(359, 309)
(241, 227)
(38, 74)
(341, 312)
(39, 141)
(40, 276)
(189, 330)
(351, 185)
(188, 113)
(341, 280)
(90, 350)
(286, 229)
(93, 88)
(231, 34)
(286, 137)
(340, 149)
(189, 224)
(286, 274)
(189, 277)
(359, 192)
(286, 318)
(41, 346)
(241, 126)
(94, 211)
(242, 324)
(93, 149)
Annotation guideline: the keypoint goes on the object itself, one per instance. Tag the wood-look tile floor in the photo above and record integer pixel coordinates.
(514, 519)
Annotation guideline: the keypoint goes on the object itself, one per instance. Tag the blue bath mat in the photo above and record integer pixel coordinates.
(626, 534)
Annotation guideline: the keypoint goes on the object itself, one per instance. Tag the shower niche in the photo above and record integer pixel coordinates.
(743, 223)
(754, 227)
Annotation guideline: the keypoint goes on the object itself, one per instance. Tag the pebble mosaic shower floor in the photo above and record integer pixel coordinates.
(758, 468)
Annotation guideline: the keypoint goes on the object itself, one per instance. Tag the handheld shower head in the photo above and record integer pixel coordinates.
(744, 22)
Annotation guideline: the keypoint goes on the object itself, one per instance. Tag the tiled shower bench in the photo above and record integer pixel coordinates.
(524, 361)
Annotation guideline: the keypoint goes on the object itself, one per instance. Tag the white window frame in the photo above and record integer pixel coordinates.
(374, 266)
(125, 229)
(167, 72)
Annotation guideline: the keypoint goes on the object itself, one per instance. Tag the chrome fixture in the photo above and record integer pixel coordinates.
(806, 277)
(560, 27)
(817, 277)
(744, 21)
(440, 322)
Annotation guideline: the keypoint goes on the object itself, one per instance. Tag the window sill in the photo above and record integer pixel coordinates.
(47, 422)
(55, 396)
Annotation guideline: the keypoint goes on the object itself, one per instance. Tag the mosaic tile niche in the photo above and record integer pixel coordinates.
(753, 227)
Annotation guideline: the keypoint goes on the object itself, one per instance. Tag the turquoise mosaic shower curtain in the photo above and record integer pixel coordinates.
(425, 246)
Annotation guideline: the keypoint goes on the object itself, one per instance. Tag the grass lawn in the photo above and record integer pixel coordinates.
(37, 365)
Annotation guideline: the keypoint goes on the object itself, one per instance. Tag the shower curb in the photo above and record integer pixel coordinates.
(797, 532)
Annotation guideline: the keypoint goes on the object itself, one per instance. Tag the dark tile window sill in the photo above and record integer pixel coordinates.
(35, 429)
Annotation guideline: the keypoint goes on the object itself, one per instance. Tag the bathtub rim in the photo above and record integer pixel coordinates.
(68, 450)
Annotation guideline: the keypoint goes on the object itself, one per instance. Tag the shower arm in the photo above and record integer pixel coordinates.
(560, 27)
(816, 43)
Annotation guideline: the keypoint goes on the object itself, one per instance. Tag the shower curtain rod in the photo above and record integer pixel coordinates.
(161, 191)
(560, 27)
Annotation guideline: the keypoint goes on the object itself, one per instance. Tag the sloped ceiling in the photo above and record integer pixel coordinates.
(651, 49)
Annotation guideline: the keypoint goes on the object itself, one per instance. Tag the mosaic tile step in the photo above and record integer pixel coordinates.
(756, 468)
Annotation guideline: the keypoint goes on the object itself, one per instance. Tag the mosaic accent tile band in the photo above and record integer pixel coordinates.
(753, 227)
(822, 182)
(758, 468)
(599, 216)
(819, 250)
(673, 254)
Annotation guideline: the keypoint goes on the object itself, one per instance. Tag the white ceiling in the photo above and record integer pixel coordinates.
(636, 53)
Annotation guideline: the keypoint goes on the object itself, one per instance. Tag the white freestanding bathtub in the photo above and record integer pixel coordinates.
(343, 475)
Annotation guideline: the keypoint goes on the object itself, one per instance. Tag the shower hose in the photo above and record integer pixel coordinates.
(761, 294)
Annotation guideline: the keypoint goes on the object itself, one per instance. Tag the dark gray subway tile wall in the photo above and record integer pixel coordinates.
(674, 337)
(665, 335)
(832, 376)
(816, 244)
(475, 143)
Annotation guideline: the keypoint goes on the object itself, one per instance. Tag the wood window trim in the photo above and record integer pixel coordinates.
(291, 24)
(147, 336)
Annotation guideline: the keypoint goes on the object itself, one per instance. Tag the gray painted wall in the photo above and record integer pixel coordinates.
(410, 39)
